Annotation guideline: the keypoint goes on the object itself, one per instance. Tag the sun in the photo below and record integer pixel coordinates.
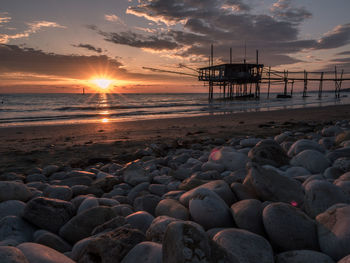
(103, 83)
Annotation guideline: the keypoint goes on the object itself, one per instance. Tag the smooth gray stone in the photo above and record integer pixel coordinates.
(320, 195)
(137, 190)
(296, 171)
(135, 174)
(242, 192)
(300, 256)
(345, 259)
(36, 253)
(12, 255)
(112, 246)
(36, 178)
(172, 208)
(140, 220)
(47, 213)
(302, 145)
(147, 203)
(81, 225)
(88, 203)
(209, 210)
(334, 232)
(14, 191)
(50, 169)
(220, 187)
(288, 228)
(51, 240)
(247, 215)
(82, 180)
(114, 223)
(144, 252)
(245, 246)
(268, 185)
(311, 160)
(187, 242)
(11, 208)
(268, 152)
(229, 158)
(173, 195)
(58, 192)
(157, 229)
(331, 131)
(14, 230)
(343, 164)
(338, 153)
(123, 209)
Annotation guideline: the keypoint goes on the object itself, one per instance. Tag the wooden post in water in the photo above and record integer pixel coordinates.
(321, 86)
(269, 85)
(305, 84)
(291, 90)
(335, 80)
(285, 82)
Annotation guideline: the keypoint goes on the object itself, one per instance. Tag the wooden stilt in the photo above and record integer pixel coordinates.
(305, 84)
(269, 84)
(321, 86)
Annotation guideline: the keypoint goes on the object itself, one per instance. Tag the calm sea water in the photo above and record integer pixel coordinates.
(44, 109)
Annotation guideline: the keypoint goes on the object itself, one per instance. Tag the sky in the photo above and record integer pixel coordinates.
(65, 45)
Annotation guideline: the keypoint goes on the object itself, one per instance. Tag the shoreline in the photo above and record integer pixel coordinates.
(31, 146)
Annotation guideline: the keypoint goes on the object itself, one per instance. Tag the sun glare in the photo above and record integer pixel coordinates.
(103, 83)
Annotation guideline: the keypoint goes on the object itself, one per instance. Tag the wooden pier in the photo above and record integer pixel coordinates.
(244, 80)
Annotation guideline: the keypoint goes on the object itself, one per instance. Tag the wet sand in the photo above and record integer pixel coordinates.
(23, 148)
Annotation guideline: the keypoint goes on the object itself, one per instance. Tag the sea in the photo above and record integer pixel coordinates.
(48, 109)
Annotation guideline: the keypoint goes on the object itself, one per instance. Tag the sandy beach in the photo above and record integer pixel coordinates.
(79, 145)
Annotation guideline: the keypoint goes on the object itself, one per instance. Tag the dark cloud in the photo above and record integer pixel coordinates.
(16, 59)
(26, 61)
(89, 47)
(338, 37)
(284, 10)
(343, 53)
(226, 23)
(141, 41)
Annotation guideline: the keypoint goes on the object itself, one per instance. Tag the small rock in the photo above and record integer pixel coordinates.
(300, 256)
(312, 160)
(302, 145)
(36, 253)
(144, 252)
(245, 246)
(87, 204)
(268, 185)
(47, 213)
(135, 174)
(172, 208)
(158, 227)
(81, 225)
(51, 240)
(230, 159)
(58, 192)
(14, 191)
(209, 210)
(342, 164)
(114, 223)
(12, 255)
(140, 220)
(147, 203)
(288, 228)
(320, 195)
(112, 246)
(247, 215)
(268, 152)
(14, 230)
(11, 208)
(334, 232)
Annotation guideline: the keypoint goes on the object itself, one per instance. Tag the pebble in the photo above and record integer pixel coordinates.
(140, 220)
(245, 246)
(144, 252)
(36, 253)
(311, 160)
(300, 256)
(14, 230)
(172, 208)
(14, 191)
(302, 145)
(334, 232)
(11, 208)
(12, 255)
(47, 213)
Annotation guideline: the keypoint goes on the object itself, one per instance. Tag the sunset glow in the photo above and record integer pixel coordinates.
(102, 84)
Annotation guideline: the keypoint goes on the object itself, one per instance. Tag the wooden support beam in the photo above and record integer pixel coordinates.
(305, 84)
(321, 86)
(269, 85)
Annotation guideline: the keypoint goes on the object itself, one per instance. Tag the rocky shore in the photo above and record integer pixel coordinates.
(283, 199)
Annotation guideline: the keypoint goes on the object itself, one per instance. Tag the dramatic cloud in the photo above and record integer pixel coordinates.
(33, 27)
(89, 47)
(338, 37)
(343, 53)
(284, 10)
(27, 60)
(141, 41)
